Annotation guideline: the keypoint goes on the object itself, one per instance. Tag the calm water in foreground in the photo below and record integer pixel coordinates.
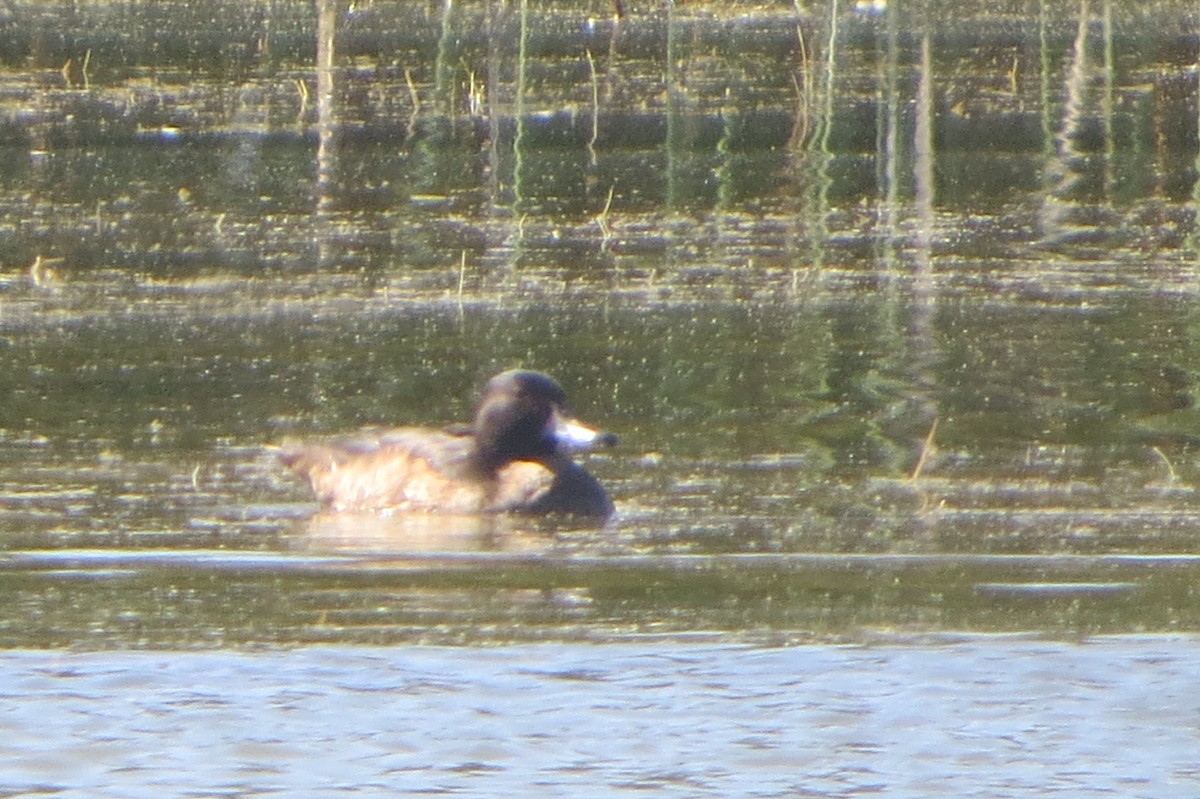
(892, 312)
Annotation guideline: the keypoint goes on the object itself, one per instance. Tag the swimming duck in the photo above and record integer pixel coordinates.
(514, 457)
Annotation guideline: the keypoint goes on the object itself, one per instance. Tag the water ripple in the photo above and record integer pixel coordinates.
(973, 716)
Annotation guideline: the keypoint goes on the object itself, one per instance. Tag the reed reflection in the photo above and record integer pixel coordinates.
(327, 128)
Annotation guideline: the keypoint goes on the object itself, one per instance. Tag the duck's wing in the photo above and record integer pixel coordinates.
(400, 469)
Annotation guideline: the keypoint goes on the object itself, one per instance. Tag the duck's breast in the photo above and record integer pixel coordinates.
(560, 486)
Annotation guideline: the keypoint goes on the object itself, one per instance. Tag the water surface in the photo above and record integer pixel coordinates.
(974, 717)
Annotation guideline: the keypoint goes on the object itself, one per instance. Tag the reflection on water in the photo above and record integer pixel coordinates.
(892, 311)
(420, 533)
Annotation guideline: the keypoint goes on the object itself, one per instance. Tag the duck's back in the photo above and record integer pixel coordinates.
(408, 469)
(414, 469)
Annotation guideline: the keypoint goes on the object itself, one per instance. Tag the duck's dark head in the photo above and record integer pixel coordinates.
(523, 416)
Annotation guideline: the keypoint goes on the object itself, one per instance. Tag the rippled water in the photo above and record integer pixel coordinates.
(986, 717)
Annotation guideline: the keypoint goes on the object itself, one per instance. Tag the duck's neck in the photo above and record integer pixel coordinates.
(485, 463)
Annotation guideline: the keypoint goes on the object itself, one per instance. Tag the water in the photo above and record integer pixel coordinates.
(892, 312)
(989, 717)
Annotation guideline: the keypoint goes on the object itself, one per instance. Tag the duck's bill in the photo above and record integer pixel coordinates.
(571, 435)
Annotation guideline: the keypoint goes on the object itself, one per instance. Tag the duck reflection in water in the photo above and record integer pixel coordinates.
(514, 457)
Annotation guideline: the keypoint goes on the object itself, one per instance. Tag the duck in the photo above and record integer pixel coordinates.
(514, 457)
